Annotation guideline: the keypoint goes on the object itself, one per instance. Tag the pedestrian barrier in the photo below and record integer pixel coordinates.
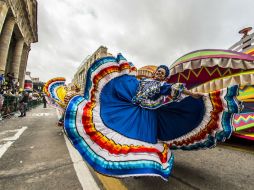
(9, 105)
(34, 103)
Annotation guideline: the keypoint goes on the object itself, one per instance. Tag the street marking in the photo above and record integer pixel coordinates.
(110, 182)
(8, 141)
(41, 114)
(17, 135)
(4, 148)
(84, 176)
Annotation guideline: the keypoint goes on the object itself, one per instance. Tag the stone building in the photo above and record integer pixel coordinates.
(37, 84)
(18, 29)
(246, 43)
(80, 75)
(146, 71)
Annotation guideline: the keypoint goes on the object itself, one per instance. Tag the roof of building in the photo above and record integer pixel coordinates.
(150, 68)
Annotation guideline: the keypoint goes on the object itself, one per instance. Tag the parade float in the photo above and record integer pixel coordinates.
(213, 69)
(210, 70)
(28, 83)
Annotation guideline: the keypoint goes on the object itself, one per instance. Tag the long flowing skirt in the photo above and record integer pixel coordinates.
(119, 138)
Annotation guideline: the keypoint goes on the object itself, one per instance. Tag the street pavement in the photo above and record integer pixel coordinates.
(38, 159)
(35, 155)
(218, 168)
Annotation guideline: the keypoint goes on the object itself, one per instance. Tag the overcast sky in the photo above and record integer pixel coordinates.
(146, 32)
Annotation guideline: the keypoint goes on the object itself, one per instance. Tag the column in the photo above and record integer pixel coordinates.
(5, 40)
(18, 51)
(23, 64)
(3, 13)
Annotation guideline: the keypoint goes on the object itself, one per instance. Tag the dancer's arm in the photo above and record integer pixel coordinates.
(193, 94)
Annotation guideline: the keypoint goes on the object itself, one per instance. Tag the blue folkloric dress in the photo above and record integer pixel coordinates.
(125, 127)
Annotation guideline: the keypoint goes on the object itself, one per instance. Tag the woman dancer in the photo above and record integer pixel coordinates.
(125, 127)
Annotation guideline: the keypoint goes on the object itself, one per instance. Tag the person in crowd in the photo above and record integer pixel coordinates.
(1, 102)
(11, 80)
(1, 80)
(23, 104)
(44, 100)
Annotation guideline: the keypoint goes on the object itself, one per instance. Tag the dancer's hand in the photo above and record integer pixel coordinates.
(193, 94)
(197, 95)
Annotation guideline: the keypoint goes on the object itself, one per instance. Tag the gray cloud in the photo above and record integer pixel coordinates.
(145, 31)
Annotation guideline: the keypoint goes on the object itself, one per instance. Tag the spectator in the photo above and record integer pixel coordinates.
(1, 104)
(44, 100)
(16, 87)
(11, 82)
(23, 104)
(1, 80)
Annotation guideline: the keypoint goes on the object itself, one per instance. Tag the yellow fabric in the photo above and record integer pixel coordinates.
(246, 93)
(61, 93)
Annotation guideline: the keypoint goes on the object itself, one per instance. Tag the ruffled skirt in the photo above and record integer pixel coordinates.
(119, 138)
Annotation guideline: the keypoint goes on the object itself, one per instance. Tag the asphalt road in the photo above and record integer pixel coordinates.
(34, 155)
(38, 159)
(218, 168)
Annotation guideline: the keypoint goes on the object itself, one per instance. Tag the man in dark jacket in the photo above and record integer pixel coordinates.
(23, 104)
(44, 100)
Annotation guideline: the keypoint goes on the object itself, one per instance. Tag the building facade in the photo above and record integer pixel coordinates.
(18, 29)
(80, 75)
(246, 43)
(146, 71)
(37, 84)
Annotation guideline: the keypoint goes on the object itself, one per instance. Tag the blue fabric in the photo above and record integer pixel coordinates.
(178, 118)
(170, 121)
(107, 167)
(120, 114)
(165, 89)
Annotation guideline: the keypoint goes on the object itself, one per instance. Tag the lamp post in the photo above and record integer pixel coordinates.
(246, 39)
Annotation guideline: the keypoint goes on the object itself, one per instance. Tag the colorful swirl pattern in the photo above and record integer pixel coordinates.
(55, 91)
(113, 154)
(217, 123)
(105, 150)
